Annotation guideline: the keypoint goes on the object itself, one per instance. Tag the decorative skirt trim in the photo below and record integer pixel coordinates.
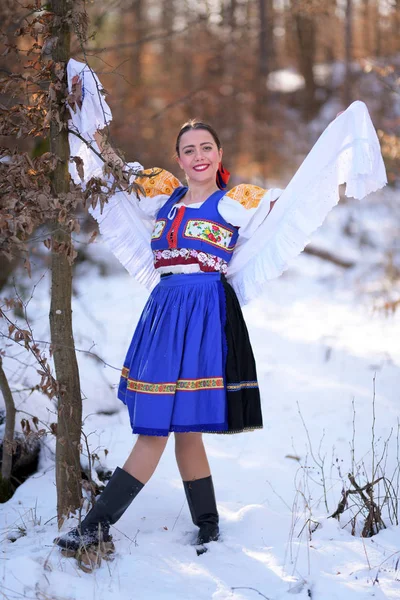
(235, 387)
(205, 428)
(182, 385)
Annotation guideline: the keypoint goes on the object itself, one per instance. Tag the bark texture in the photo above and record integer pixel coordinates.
(68, 471)
(8, 440)
(349, 53)
(306, 37)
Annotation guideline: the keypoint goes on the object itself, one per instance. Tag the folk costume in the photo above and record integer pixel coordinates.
(190, 366)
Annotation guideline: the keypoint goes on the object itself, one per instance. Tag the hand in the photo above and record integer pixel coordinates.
(75, 97)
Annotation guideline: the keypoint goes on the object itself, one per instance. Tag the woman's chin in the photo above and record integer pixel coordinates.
(201, 179)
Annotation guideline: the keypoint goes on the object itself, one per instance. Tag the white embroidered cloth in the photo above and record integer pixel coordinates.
(347, 152)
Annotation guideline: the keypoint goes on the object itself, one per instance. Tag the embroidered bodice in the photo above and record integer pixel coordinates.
(187, 239)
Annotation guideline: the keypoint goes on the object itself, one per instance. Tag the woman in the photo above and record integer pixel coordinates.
(190, 368)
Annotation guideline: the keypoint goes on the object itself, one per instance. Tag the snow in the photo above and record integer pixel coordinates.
(319, 345)
(289, 80)
(285, 81)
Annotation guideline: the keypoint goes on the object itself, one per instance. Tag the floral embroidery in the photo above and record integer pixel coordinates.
(182, 385)
(161, 183)
(125, 372)
(247, 195)
(191, 385)
(182, 256)
(210, 232)
(158, 229)
(151, 388)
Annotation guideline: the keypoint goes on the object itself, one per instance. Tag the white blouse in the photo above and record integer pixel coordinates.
(347, 152)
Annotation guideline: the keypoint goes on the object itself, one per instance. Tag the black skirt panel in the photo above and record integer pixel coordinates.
(243, 394)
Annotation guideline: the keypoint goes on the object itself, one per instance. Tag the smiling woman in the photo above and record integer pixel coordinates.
(190, 368)
(199, 150)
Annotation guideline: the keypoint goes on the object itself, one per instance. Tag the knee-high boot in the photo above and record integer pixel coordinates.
(118, 494)
(203, 508)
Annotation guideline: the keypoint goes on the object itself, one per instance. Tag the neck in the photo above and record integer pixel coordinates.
(198, 192)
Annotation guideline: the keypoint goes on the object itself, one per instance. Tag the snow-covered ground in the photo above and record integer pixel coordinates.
(319, 346)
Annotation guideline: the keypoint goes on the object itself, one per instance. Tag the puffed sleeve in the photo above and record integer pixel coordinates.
(347, 152)
(157, 185)
(246, 206)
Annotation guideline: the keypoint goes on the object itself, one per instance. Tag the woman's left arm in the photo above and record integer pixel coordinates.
(347, 152)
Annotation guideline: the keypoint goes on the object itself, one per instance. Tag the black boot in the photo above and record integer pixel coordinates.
(203, 508)
(111, 505)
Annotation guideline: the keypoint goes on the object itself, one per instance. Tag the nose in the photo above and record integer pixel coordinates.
(198, 154)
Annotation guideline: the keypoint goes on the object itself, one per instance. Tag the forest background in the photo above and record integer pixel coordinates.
(260, 71)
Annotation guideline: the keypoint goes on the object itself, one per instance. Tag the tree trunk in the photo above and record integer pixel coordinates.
(135, 33)
(167, 23)
(366, 28)
(228, 13)
(68, 471)
(378, 32)
(396, 26)
(265, 40)
(348, 53)
(306, 36)
(230, 120)
(8, 439)
(232, 7)
(6, 268)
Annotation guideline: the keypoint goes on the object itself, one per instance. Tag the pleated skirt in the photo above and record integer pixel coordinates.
(190, 366)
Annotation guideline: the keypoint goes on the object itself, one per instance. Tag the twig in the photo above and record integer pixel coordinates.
(96, 356)
(321, 462)
(252, 589)
(179, 514)
(144, 40)
(328, 256)
(366, 555)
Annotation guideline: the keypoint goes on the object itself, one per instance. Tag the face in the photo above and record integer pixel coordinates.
(199, 156)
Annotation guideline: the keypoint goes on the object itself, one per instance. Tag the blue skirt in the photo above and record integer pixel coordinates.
(174, 373)
(190, 366)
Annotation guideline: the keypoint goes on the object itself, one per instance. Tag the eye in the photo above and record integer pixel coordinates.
(189, 151)
(207, 148)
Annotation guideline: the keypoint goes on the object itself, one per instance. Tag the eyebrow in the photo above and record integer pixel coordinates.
(192, 145)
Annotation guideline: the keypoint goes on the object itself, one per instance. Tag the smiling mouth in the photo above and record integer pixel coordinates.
(201, 167)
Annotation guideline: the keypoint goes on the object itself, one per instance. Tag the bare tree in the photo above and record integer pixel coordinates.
(8, 439)
(68, 471)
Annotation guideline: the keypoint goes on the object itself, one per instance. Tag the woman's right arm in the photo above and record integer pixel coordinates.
(156, 184)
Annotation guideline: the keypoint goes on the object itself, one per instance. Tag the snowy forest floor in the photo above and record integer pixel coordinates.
(319, 344)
